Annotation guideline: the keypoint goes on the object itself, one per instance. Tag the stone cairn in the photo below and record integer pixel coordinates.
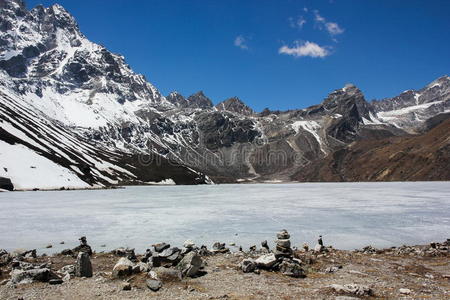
(280, 260)
(283, 244)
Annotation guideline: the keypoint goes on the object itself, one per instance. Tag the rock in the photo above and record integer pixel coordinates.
(204, 251)
(165, 274)
(283, 235)
(146, 257)
(140, 268)
(21, 253)
(68, 269)
(265, 245)
(124, 267)
(48, 246)
(66, 277)
(252, 248)
(266, 261)
(29, 276)
(188, 244)
(55, 281)
(405, 291)
(83, 267)
(6, 184)
(219, 247)
(190, 265)
(125, 252)
(68, 252)
(154, 285)
(358, 290)
(318, 248)
(332, 269)
(126, 286)
(83, 247)
(62, 243)
(247, 265)
(291, 268)
(160, 247)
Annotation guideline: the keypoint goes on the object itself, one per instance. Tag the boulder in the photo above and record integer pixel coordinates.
(219, 248)
(29, 276)
(248, 265)
(153, 284)
(83, 266)
(190, 264)
(68, 269)
(161, 247)
(291, 268)
(140, 268)
(68, 252)
(266, 261)
(165, 274)
(188, 244)
(356, 289)
(125, 252)
(124, 267)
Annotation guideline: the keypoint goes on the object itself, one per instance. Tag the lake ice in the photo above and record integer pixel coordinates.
(348, 215)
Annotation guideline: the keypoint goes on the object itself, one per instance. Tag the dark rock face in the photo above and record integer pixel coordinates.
(6, 184)
(199, 100)
(235, 105)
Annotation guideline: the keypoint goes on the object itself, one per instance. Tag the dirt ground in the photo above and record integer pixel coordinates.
(384, 273)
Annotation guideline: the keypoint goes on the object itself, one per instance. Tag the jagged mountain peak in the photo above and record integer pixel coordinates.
(234, 104)
(199, 100)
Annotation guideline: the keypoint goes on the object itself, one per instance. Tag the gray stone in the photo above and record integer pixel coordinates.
(29, 276)
(292, 269)
(266, 260)
(190, 264)
(405, 291)
(248, 265)
(83, 267)
(154, 285)
(140, 268)
(165, 274)
(160, 247)
(124, 267)
(356, 289)
(283, 235)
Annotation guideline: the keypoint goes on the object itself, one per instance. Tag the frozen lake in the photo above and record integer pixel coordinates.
(348, 215)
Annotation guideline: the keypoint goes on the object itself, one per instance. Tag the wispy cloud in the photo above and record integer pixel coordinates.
(241, 42)
(297, 23)
(332, 27)
(307, 48)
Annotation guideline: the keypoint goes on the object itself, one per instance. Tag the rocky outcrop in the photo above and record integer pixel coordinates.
(6, 184)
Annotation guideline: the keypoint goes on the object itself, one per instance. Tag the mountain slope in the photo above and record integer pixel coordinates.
(82, 108)
(420, 157)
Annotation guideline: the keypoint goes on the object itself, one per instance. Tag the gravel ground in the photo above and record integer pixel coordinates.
(385, 273)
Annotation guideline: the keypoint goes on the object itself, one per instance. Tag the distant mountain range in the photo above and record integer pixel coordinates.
(74, 115)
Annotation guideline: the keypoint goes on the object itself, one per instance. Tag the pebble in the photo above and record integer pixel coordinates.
(405, 291)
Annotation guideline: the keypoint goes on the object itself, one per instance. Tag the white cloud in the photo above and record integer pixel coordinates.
(307, 48)
(297, 23)
(241, 42)
(332, 27)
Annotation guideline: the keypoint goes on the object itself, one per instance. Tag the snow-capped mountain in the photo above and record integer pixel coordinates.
(90, 120)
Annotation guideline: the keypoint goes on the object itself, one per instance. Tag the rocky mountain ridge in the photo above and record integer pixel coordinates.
(52, 74)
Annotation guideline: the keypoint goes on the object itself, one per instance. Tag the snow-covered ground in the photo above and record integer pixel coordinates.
(348, 215)
(27, 170)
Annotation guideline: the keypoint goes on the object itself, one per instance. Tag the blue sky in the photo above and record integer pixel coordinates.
(279, 54)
